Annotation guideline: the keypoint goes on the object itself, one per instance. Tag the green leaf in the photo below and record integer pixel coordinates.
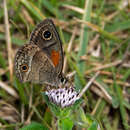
(122, 108)
(94, 126)
(20, 87)
(34, 126)
(66, 124)
(118, 26)
(115, 102)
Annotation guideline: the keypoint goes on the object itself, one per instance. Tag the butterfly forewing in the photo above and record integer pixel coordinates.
(46, 37)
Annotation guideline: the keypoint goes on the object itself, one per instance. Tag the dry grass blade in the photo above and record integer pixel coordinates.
(126, 65)
(103, 90)
(28, 120)
(77, 9)
(8, 41)
(27, 16)
(92, 44)
(126, 84)
(88, 84)
(70, 75)
(100, 93)
(22, 113)
(96, 106)
(8, 112)
(9, 89)
(3, 71)
(92, 26)
(104, 66)
(69, 48)
(110, 74)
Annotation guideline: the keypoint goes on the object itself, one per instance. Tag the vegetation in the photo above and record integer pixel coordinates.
(95, 36)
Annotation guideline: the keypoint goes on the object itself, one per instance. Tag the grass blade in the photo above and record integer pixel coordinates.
(83, 40)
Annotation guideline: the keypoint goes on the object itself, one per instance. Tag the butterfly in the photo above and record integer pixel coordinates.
(41, 61)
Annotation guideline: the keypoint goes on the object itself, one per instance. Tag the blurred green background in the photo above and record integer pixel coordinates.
(95, 36)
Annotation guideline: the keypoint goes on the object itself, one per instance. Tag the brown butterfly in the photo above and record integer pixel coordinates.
(41, 61)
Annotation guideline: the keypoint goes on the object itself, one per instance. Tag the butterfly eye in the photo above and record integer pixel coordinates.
(62, 80)
(24, 67)
(47, 35)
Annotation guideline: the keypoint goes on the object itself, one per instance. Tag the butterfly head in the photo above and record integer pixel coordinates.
(61, 80)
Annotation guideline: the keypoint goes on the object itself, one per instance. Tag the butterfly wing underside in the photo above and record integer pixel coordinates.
(51, 46)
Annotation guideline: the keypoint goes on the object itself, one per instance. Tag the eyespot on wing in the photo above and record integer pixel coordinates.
(24, 68)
